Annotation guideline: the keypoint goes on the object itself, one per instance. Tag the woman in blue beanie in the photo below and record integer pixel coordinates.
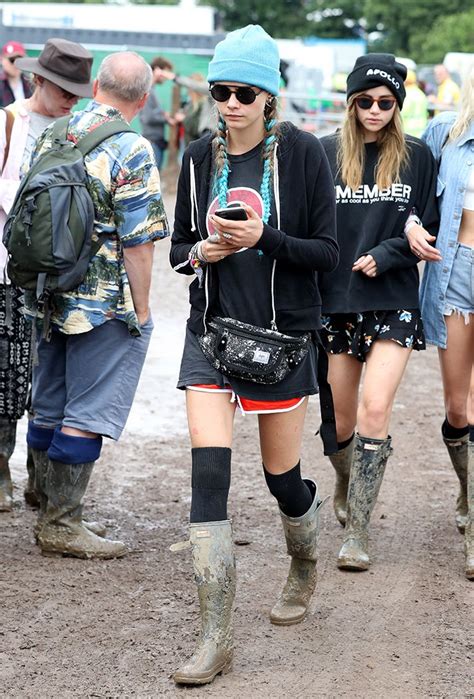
(261, 271)
(371, 312)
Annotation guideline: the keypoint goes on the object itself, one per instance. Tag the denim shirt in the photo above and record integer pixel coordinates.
(454, 169)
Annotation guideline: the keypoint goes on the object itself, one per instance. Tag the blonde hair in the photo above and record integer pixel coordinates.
(393, 151)
(466, 108)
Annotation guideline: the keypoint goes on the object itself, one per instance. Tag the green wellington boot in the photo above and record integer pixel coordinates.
(469, 531)
(341, 462)
(62, 530)
(41, 464)
(367, 470)
(7, 445)
(214, 574)
(29, 493)
(458, 453)
(301, 534)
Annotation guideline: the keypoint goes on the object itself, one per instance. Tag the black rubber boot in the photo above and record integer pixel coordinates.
(7, 445)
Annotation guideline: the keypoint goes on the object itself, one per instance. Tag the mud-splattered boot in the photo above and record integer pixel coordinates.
(342, 465)
(62, 531)
(7, 445)
(469, 531)
(214, 573)
(458, 453)
(301, 534)
(41, 466)
(367, 470)
(29, 493)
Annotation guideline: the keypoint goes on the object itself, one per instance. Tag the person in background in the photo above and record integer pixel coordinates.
(88, 368)
(13, 84)
(153, 118)
(447, 294)
(371, 316)
(61, 75)
(448, 93)
(199, 118)
(415, 107)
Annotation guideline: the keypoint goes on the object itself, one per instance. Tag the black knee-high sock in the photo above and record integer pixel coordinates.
(292, 492)
(450, 432)
(210, 484)
(471, 433)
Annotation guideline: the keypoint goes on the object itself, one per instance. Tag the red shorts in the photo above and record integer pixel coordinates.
(248, 405)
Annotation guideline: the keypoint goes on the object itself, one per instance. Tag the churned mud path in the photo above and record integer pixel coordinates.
(71, 628)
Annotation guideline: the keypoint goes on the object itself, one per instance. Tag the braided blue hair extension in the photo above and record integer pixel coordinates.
(222, 175)
(265, 186)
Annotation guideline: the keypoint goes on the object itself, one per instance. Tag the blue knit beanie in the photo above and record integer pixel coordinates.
(249, 56)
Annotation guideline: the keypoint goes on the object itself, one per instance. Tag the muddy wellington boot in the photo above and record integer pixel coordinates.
(214, 574)
(62, 531)
(367, 470)
(341, 462)
(29, 493)
(7, 446)
(41, 466)
(301, 534)
(469, 531)
(458, 453)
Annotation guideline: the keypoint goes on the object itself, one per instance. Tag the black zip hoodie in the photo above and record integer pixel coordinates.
(305, 245)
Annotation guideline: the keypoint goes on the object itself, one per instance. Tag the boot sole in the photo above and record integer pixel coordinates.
(352, 565)
(287, 622)
(79, 554)
(204, 678)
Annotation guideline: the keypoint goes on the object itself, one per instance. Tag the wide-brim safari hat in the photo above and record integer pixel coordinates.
(65, 64)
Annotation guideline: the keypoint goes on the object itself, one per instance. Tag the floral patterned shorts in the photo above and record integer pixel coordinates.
(354, 333)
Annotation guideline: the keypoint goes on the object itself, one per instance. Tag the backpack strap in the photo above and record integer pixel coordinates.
(95, 137)
(10, 118)
(59, 131)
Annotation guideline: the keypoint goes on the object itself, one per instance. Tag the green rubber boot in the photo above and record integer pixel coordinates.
(458, 453)
(62, 531)
(301, 534)
(367, 470)
(214, 573)
(7, 445)
(341, 462)
(29, 493)
(469, 531)
(41, 466)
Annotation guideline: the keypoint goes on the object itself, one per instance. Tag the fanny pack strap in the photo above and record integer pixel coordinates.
(328, 418)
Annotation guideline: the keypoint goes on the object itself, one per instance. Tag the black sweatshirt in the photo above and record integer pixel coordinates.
(304, 245)
(372, 222)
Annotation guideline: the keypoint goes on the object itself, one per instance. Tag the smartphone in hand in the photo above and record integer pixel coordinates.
(232, 213)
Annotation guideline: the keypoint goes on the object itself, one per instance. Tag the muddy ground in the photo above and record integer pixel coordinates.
(72, 628)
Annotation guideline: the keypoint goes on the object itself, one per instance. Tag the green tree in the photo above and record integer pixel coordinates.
(399, 20)
(451, 33)
(280, 18)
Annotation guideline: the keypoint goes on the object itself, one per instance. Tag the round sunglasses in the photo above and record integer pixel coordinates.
(244, 94)
(383, 103)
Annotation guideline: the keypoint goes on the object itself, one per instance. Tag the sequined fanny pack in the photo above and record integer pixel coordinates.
(250, 353)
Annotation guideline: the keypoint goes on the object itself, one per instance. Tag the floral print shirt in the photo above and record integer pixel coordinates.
(125, 189)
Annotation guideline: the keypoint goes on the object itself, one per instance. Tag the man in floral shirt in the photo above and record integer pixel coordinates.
(88, 370)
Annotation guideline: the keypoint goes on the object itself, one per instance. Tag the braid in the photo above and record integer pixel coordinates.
(271, 133)
(221, 176)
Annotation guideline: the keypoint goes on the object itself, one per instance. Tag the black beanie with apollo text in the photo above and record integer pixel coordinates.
(377, 69)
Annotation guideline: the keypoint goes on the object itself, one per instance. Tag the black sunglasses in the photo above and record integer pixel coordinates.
(12, 59)
(383, 103)
(245, 95)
